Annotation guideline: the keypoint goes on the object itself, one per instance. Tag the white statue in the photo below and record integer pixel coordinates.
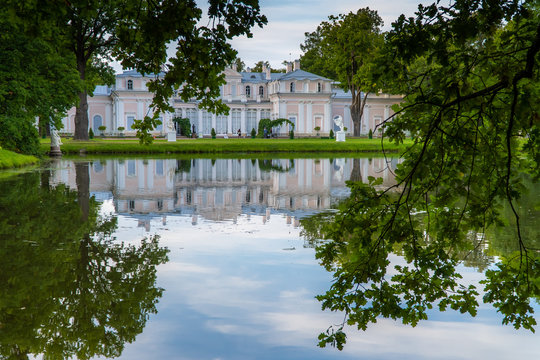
(338, 120)
(170, 126)
(55, 138)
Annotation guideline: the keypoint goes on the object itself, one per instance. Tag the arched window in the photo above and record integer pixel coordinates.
(292, 87)
(130, 84)
(248, 91)
(98, 121)
(319, 87)
(261, 91)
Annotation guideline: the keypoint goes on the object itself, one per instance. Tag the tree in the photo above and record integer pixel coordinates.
(240, 65)
(71, 290)
(36, 77)
(344, 48)
(137, 33)
(259, 66)
(470, 75)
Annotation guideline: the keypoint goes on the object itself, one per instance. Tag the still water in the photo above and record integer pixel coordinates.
(199, 259)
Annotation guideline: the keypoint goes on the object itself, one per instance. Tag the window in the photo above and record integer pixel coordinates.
(248, 91)
(159, 168)
(261, 90)
(319, 87)
(130, 84)
(291, 87)
(130, 122)
(98, 121)
(251, 120)
(235, 116)
(221, 124)
(131, 167)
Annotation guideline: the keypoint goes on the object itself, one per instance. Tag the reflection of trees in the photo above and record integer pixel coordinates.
(267, 165)
(366, 286)
(68, 288)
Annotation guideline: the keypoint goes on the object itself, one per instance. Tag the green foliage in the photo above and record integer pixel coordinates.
(468, 106)
(269, 124)
(345, 49)
(87, 34)
(144, 127)
(291, 134)
(9, 159)
(370, 134)
(102, 128)
(253, 133)
(90, 133)
(18, 134)
(121, 128)
(331, 134)
(63, 270)
(184, 126)
(213, 133)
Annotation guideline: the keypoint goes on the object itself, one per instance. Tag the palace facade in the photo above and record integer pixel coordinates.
(306, 99)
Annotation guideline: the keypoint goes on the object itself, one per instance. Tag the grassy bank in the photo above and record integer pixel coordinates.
(10, 159)
(224, 146)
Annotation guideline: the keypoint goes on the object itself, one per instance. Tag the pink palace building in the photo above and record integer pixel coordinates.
(306, 99)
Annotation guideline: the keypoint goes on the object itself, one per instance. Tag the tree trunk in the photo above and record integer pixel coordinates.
(81, 112)
(356, 173)
(82, 179)
(357, 110)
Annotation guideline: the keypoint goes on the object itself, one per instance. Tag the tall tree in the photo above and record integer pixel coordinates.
(470, 74)
(344, 48)
(36, 76)
(137, 34)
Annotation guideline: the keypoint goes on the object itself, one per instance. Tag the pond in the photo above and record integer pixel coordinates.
(200, 259)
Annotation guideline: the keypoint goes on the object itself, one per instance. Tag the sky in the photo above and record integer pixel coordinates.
(288, 21)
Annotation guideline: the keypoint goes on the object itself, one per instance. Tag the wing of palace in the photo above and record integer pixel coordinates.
(308, 100)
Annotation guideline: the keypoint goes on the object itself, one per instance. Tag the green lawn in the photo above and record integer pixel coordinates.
(224, 146)
(10, 159)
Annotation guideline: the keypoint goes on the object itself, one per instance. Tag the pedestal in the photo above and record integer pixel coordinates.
(55, 151)
(340, 136)
(171, 136)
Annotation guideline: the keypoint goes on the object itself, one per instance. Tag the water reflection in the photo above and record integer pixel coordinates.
(68, 289)
(223, 189)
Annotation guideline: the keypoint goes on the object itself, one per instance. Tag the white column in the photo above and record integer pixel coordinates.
(199, 127)
(214, 121)
(140, 174)
(229, 123)
(120, 175)
(386, 112)
(327, 117)
(365, 120)
(150, 174)
(140, 110)
(120, 115)
(243, 120)
(309, 119)
(301, 118)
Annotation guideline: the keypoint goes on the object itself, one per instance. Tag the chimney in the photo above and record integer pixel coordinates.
(296, 64)
(289, 66)
(248, 69)
(267, 71)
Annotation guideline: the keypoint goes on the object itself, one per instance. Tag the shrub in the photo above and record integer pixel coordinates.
(291, 134)
(90, 133)
(213, 133)
(331, 135)
(184, 126)
(18, 134)
(102, 128)
(370, 134)
(253, 133)
(121, 128)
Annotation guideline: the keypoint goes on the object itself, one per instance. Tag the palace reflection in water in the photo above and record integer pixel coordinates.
(223, 189)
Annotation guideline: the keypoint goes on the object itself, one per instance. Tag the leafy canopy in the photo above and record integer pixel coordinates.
(469, 73)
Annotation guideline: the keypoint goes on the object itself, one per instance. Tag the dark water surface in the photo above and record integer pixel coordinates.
(201, 259)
